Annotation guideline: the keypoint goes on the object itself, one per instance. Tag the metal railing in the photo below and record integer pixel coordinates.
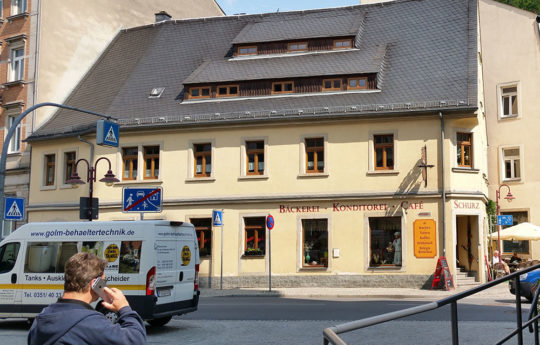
(330, 335)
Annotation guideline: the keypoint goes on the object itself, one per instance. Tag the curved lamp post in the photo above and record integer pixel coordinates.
(508, 197)
(75, 180)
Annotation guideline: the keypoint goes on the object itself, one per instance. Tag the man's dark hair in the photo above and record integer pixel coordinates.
(80, 269)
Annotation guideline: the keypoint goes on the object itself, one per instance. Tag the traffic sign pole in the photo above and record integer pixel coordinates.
(269, 226)
(221, 273)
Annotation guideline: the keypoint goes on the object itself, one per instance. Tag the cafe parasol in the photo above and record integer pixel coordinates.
(520, 232)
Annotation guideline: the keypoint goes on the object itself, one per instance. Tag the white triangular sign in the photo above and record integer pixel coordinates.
(111, 137)
(217, 219)
(14, 210)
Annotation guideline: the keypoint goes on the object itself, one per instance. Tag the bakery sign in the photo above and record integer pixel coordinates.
(425, 238)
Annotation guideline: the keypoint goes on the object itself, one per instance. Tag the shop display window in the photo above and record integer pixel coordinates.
(255, 236)
(315, 243)
(385, 241)
(203, 228)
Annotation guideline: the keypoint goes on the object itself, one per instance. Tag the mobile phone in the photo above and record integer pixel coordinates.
(98, 286)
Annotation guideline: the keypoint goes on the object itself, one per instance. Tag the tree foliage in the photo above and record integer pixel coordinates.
(529, 5)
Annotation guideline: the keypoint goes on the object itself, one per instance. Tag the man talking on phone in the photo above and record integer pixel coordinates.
(71, 320)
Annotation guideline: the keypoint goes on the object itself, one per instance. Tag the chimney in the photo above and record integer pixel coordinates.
(162, 16)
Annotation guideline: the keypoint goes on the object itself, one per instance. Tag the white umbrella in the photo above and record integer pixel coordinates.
(521, 232)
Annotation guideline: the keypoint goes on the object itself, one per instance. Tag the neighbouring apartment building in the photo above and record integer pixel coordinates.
(510, 45)
(47, 47)
(361, 129)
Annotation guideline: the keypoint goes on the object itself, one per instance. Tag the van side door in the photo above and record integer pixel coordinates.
(10, 293)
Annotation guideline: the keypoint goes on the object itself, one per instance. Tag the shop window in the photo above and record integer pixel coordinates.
(464, 150)
(130, 161)
(255, 157)
(315, 242)
(203, 228)
(247, 50)
(199, 92)
(203, 159)
(227, 91)
(508, 101)
(282, 87)
(383, 146)
(69, 164)
(297, 47)
(255, 236)
(314, 155)
(343, 43)
(385, 241)
(511, 163)
(8, 256)
(331, 85)
(151, 162)
(50, 169)
(357, 83)
(520, 247)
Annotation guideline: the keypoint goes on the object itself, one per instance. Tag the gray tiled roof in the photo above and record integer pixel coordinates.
(430, 56)
(367, 60)
(300, 28)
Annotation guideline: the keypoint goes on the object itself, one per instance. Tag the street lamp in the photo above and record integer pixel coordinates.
(508, 197)
(75, 180)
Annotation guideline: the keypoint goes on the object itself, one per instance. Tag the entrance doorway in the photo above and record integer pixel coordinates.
(467, 244)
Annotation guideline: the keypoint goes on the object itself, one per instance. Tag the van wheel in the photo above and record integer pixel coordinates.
(162, 321)
(109, 314)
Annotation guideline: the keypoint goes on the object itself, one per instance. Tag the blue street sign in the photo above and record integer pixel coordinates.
(270, 222)
(107, 133)
(14, 209)
(142, 199)
(217, 218)
(505, 220)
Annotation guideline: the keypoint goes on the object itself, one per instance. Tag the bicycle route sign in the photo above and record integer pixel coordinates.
(142, 200)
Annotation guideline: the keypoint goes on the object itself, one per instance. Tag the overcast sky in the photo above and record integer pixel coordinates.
(262, 6)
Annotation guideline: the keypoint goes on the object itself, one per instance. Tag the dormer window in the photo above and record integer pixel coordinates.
(282, 87)
(297, 47)
(227, 90)
(199, 92)
(345, 43)
(357, 83)
(331, 85)
(247, 50)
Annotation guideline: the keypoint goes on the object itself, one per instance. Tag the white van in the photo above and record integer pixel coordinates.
(155, 264)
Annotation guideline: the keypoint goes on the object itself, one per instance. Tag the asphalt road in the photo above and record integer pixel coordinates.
(294, 309)
(274, 320)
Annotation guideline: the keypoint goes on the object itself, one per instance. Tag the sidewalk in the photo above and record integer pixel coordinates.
(496, 292)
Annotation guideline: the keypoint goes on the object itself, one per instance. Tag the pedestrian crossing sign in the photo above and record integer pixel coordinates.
(217, 218)
(107, 133)
(14, 209)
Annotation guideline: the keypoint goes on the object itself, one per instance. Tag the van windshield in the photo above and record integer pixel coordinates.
(8, 256)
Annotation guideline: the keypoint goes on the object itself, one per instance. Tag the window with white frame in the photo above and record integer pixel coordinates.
(16, 63)
(18, 7)
(509, 101)
(15, 143)
(511, 163)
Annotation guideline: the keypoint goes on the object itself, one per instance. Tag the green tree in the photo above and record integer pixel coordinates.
(529, 5)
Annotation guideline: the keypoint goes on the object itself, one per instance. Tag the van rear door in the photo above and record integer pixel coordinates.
(10, 276)
(186, 263)
(166, 275)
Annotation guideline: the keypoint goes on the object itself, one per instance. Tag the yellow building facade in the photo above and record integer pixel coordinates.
(367, 146)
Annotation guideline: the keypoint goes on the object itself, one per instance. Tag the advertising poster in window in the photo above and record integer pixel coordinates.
(425, 243)
(111, 253)
(130, 257)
